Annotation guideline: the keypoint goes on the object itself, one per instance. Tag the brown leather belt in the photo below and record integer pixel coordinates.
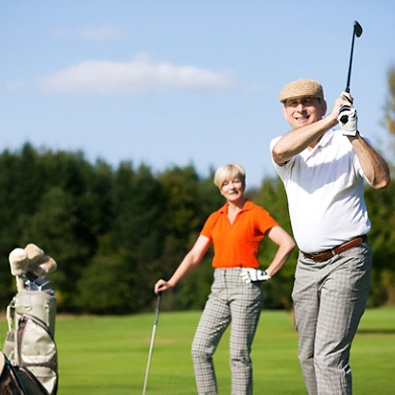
(324, 255)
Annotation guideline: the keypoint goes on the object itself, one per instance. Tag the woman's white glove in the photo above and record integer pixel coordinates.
(254, 275)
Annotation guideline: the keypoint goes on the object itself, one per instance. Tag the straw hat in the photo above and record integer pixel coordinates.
(300, 88)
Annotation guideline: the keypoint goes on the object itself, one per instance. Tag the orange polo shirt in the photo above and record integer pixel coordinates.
(237, 244)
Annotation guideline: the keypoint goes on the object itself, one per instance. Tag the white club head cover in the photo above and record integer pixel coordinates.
(44, 266)
(35, 254)
(18, 261)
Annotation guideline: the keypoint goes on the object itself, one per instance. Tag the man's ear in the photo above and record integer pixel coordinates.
(283, 110)
(324, 107)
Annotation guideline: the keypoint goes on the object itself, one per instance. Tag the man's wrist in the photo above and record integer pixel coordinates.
(355, 137)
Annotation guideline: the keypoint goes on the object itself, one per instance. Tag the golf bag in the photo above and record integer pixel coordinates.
(29, 345)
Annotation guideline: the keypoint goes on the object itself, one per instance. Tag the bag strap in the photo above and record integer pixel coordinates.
(10, 312)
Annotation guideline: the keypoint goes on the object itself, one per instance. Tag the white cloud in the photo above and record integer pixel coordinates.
(140, 75)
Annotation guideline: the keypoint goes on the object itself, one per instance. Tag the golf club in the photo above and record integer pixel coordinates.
(152, 341)
(357, 32)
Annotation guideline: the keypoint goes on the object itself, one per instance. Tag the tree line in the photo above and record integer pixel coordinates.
(114, 232)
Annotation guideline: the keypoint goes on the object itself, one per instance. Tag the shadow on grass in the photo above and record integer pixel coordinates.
(377, 331)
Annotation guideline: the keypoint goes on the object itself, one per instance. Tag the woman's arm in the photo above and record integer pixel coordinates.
(190, 261)
(285, 246)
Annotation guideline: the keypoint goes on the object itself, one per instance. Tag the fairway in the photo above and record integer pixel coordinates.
(108, 355)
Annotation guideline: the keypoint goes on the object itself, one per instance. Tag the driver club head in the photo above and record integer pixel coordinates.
(357, 29)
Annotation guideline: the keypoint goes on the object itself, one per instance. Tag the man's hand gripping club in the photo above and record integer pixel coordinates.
(347, 117)
(254, 275)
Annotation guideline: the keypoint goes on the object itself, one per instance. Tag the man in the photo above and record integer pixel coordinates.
(323, 172)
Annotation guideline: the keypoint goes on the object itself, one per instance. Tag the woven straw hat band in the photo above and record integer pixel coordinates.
(300, 88)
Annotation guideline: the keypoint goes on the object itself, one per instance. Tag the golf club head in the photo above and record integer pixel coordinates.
(357, 29)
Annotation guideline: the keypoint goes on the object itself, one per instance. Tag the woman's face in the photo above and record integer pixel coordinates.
(232, 189)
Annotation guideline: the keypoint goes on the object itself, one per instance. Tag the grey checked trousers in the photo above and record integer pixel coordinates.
(330, 299)
(231, 302)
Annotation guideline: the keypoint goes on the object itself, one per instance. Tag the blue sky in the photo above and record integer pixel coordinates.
(179, 82)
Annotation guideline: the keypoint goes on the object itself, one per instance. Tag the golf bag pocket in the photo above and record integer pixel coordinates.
(37, 351)
(39, 304)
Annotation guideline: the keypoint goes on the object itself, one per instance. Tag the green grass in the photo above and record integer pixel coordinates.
(108, 355)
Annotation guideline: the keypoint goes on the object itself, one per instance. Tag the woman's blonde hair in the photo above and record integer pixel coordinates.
(227, 172)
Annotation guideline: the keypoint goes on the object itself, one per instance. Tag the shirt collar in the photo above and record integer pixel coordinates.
(247, 206)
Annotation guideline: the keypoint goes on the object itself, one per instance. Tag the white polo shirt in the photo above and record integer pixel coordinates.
(325, 190)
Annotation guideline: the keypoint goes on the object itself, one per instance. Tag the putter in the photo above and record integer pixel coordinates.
(152, 342)
(357, 32)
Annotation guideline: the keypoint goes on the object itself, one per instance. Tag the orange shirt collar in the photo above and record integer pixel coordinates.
(247, 206)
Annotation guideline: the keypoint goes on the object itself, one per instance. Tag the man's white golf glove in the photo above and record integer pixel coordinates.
(348, 120)
(253, 275)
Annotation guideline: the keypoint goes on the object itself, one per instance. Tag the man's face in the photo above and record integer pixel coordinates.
(301, 111)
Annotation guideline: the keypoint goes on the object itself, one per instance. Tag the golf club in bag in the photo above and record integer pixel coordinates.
(158, 299)
(357, 32)
(29, 364)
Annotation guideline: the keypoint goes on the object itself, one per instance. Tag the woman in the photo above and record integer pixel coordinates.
(236, 297)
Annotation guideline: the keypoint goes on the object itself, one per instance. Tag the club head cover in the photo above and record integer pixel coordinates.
(35, 254)
(45, 266)
(18, 261)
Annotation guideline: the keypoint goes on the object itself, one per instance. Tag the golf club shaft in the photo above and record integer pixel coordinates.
(350, 65)
(158, 300)
(357, 31)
